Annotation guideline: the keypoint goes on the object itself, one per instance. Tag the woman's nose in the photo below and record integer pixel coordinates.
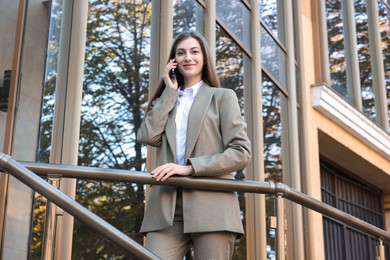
(187, 57)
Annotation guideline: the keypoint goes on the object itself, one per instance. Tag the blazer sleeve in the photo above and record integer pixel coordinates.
(153, 125)
(237, 147)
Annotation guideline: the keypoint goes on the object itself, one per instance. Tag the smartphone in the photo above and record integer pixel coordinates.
(172, 74)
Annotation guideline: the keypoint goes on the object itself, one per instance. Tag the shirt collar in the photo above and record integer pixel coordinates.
(193, 89)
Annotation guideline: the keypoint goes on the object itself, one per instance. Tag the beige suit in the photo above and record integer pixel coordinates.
(217, 146)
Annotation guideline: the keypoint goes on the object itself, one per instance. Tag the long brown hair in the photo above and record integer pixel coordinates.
(209, 75)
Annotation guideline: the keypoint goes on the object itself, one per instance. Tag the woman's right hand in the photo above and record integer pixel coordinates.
(167, 80)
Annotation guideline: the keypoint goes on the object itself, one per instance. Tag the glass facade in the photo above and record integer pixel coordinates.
(187, 15)
(272, 130)
(230, 69)
(338, 73)
(235, 16)
(273, 58)
(361, 42)
(271, 13)
(50, 79)
(273, 153)
(364, 56)
(115, 88)
(384, 21)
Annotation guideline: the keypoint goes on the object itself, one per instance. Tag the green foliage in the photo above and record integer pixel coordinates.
(187, 15)
(115, 92)
(38, 229)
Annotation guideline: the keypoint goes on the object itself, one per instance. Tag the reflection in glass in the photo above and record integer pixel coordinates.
(273, 57)
(46, 123)
(272, 129)
(364, 56)
(230, 70)
(384, 21)
(271, 14)
(337, 59)
(236, 17)
(272, 150)
(116, 78)
(50, 81)
(187, 15)
(230, 67)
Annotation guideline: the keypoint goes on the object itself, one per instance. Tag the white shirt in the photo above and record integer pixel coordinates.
(184, 103)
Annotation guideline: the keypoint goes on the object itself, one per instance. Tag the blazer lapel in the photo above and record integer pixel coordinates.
(196, 115)
(170, 131)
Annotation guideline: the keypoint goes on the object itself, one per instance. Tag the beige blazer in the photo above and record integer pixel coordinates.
(217, 145)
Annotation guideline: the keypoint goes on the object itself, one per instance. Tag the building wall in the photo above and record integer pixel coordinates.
(386, 201)
(321, 135)
(8, 21)
(19, 197)
(324, 137)
(310, 161)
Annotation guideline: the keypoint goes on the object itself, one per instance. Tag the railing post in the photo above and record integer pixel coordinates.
(280, 236)
(49, 234)
(380, 250)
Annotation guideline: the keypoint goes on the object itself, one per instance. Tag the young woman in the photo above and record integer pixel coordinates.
(198, 130)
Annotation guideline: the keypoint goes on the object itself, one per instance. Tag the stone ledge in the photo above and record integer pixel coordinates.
(334, 107)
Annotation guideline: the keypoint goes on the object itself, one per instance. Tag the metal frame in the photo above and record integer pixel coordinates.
(351, 54)
(73, 208)
(67, 110)
(378, 71)
(25, 173)
(10, 123)
(49, 232)
(323, 43)
(293, 177)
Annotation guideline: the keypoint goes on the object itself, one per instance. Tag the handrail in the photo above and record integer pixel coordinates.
(74, 208)
(27, 176)
(93, 173)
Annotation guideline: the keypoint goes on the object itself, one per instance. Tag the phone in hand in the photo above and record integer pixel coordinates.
(172, 74)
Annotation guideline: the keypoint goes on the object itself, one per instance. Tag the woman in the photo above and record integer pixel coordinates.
(198, 130)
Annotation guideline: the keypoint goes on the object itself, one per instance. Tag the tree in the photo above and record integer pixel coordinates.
(230, 67)
(115, 93)
(336, 47)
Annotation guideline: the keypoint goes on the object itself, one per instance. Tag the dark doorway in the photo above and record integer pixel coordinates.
(342, 190)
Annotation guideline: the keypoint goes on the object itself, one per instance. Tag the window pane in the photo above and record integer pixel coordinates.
(46, 120)
(337, 57)
(384, 21)
(230, 69)
(187, 15)
(50, 81)
(116, 78)
(229, 65)
(364, 58)
(272, 150)
(236, 16)
(273, 57)
(271, 13)
(272, 129)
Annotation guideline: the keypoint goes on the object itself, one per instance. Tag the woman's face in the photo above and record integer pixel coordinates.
(189, 58)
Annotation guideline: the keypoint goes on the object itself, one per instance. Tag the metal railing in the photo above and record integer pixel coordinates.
(25, 173)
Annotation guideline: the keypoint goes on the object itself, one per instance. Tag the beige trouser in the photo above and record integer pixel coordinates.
(172, 243)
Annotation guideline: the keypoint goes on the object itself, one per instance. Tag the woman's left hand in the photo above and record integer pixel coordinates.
(165, 171)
